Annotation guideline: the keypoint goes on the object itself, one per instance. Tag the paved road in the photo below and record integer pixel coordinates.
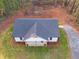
(73, 41)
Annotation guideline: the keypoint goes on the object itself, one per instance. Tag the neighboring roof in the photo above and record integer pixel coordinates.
(43, 27)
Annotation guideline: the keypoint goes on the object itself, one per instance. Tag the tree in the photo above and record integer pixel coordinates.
(11, 6)
(73, 6)
(1, 7)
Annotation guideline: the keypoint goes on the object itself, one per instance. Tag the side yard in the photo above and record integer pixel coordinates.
(10, 50)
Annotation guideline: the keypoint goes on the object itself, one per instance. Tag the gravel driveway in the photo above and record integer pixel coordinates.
(73, 41)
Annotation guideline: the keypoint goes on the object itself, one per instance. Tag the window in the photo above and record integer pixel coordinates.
(50, 38)
(20, 38)
(41, 41)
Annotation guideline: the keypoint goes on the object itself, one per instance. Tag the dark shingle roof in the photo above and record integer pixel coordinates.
(43, 27)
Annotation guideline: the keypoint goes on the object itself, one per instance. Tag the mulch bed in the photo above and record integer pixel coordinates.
(54, 44)
(14, 43)
(76, 28)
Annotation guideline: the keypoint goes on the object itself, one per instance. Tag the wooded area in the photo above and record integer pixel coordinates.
(8, 7)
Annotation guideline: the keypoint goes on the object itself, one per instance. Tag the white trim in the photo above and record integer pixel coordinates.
(35, 39)
(61, 26)
(54, 39)
(17, 39)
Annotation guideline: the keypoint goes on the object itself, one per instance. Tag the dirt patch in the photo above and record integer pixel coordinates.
(59, 13)
(73, 23)
(1, 56)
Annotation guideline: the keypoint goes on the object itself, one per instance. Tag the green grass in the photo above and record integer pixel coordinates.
(22, 52)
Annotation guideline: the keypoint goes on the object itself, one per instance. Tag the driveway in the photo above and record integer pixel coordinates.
(73, 41)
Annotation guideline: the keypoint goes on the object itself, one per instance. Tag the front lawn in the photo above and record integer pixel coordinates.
(12, 51)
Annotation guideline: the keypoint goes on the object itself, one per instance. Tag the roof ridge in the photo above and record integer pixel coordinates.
(30, 29)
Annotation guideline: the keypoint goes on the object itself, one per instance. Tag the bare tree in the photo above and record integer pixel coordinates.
(73, 6)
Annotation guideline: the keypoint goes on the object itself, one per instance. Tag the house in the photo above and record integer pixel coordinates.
(36, 31)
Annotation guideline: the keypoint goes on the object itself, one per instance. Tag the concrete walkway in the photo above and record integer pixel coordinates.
(73, 41)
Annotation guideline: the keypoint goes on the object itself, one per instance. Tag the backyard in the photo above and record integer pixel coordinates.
(11, 50)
